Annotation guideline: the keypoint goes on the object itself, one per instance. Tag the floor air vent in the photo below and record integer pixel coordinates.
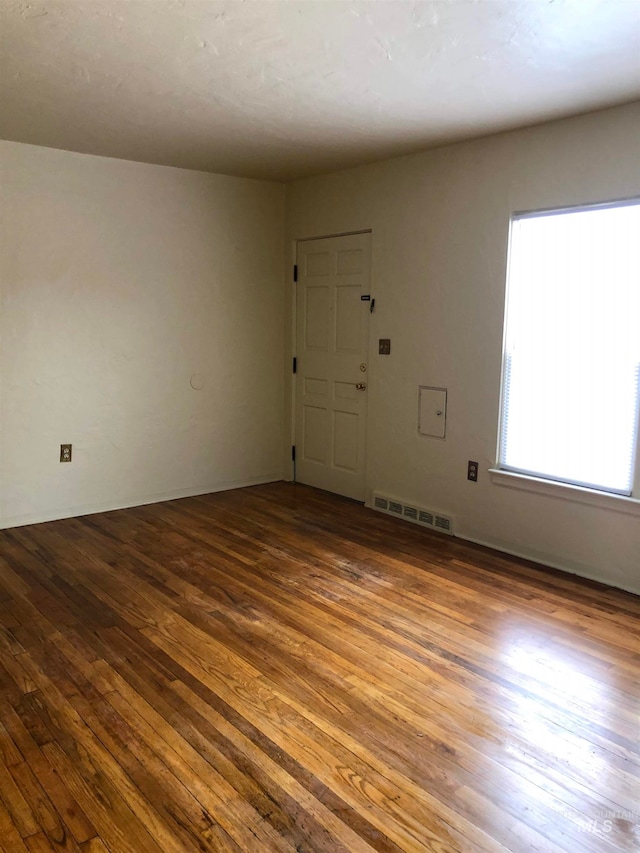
(415, 514)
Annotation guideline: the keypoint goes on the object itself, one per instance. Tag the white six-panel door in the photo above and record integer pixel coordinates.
(332, 342)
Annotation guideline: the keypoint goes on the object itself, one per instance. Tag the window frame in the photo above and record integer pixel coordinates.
(529, 481)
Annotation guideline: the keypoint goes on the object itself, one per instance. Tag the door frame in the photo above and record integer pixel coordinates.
(290, 465)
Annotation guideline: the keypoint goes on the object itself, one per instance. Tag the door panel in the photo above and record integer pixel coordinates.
(317, 318)
(350, 261)
(332, 340)
(348, 311)
(314, 443)
(317, 263)
(345, 440)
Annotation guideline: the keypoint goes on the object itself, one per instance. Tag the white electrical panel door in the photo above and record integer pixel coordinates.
(432, 411)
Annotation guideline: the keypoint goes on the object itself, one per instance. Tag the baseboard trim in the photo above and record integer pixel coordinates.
(92, 509)
(543, 561)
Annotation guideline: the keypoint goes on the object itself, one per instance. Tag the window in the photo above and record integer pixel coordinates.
(571, 376)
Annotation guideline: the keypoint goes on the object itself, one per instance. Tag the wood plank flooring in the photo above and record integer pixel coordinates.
(278, 669)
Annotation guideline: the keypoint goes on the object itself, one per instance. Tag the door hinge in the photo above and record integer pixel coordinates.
(295, 364)
(293, 453)
(295, 272)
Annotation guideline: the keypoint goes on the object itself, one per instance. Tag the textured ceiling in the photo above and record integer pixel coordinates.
(281, 88)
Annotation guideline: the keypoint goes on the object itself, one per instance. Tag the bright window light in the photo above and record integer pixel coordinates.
(572, 346)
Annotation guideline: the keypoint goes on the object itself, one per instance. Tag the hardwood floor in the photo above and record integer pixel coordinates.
(278, 669)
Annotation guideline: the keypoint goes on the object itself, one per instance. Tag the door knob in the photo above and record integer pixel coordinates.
(361, 386)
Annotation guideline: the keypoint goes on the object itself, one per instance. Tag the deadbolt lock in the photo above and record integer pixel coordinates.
(363, 367)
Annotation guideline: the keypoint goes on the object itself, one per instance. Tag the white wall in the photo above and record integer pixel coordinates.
(440, 226)
(120, 281)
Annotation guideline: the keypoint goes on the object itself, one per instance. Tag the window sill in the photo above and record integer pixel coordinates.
(577, 494)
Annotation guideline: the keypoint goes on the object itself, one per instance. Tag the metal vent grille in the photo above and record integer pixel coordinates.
(415, 514)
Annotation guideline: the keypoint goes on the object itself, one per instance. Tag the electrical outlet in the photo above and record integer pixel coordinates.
(472, 471)
(65, 453)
